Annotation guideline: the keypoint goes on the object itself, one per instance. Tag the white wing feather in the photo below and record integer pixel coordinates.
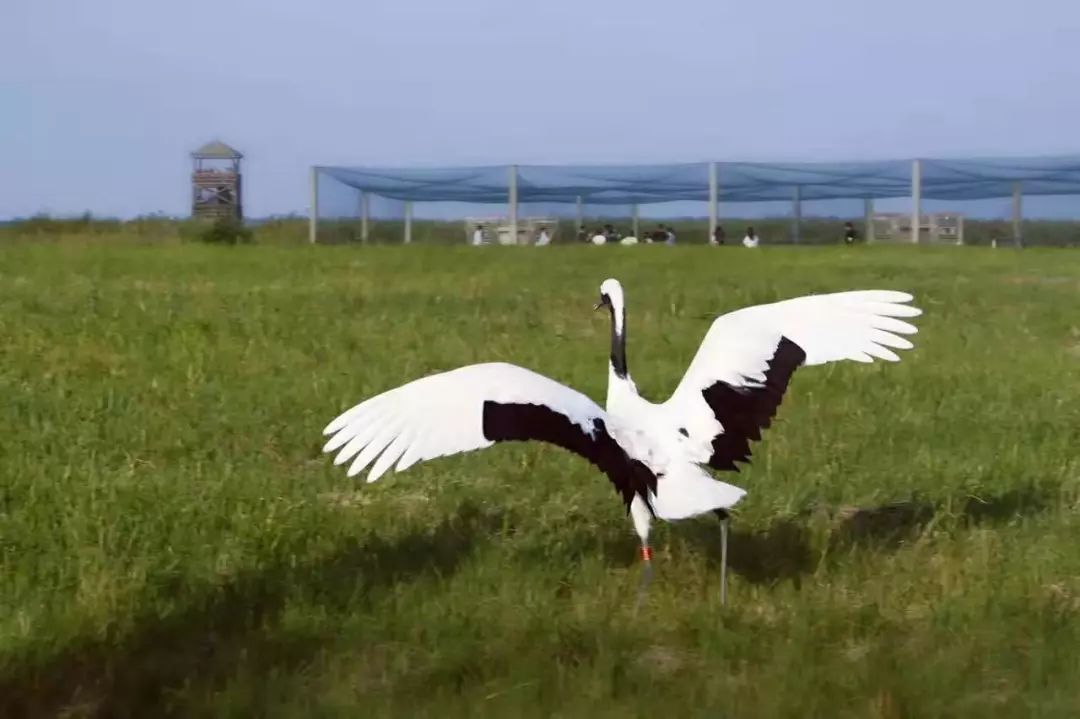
(859, 326)
(442, 414)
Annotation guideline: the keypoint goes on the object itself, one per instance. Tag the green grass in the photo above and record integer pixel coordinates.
(173, 543)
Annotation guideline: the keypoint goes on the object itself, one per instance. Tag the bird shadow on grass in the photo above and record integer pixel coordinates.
(884, 527)
(780, 552)
(786, 550)
(238, 622)
(1017, 503)
(888, 526)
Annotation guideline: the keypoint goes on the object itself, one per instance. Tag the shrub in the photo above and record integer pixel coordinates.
(225, 231)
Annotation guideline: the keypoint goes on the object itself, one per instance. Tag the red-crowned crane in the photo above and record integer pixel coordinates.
(654, 454)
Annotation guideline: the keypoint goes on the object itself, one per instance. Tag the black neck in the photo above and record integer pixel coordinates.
(618, 344)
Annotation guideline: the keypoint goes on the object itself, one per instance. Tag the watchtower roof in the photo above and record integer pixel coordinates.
(216, 150)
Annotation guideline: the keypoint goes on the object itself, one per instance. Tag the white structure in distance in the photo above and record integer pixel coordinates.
(498, 230)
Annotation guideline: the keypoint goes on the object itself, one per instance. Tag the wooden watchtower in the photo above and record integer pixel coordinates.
(215, 182)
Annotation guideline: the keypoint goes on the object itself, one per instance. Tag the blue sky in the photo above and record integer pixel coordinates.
(101, 100)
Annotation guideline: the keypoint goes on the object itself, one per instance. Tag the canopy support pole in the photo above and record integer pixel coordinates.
(580, 213)
(513, 187)
(868, 219)
(365, 215)
(916, 199)
(1018, 214)
(714, 198)
(637, 220)
(408, 222)
(796, 210)
(313, 217)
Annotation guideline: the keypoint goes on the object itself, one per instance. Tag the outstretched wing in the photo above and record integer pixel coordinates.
(472, 408)
(738, 377)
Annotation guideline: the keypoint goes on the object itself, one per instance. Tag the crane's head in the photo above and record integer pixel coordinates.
(611, 296)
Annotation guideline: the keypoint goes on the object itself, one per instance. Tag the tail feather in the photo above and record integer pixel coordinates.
(690, 491)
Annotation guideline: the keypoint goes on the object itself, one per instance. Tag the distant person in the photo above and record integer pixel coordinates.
(611, 233)
(582, 235)
(670, 238)
(478, 236)
(659, 234)
(544, 238)
(718, 235)
(849, 233)
(751, 238)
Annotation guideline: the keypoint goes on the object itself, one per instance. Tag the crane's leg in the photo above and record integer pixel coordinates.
(724, 519)
(640, 514)
(646, 574)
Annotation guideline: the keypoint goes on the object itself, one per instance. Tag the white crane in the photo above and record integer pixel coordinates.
(654, 454)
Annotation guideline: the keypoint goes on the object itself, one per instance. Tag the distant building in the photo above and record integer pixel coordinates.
(945, 227)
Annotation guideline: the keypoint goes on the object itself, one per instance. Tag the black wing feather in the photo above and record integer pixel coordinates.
(746, 410)
(519, 422)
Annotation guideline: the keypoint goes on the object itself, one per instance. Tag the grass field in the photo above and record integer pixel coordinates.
(173, 543)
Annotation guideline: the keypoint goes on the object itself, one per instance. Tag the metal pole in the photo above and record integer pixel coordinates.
(365, 215)
(1017, 214)
(513, 187)
(868, 219)
(796, 207)
(959, 229)
(637, 221)
(916, 199)
(313, 218)
(713, 200)
(580, 213)
(408, 221)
